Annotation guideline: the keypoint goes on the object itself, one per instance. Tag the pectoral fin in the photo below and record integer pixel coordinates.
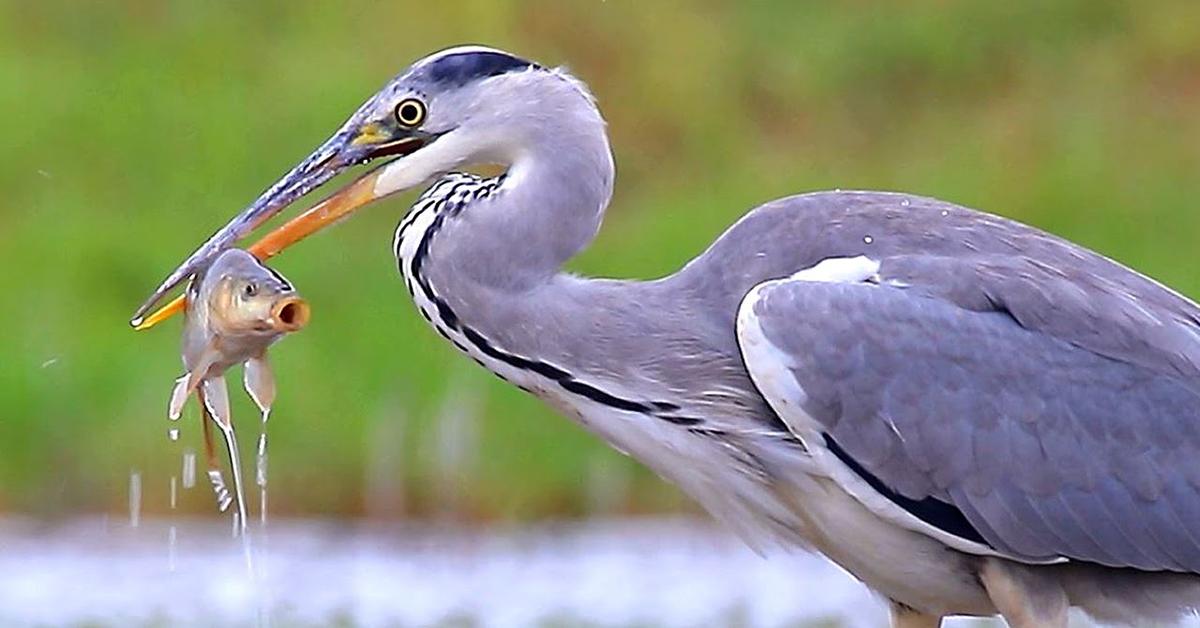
(216, 399)
(259, 381)
(187, 384)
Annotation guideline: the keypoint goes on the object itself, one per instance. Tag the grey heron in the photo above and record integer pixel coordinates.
(970, 415)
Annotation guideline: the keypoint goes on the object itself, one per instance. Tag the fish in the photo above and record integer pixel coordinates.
(235, 310)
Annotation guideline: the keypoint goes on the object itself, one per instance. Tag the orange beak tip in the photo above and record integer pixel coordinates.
(160, 315)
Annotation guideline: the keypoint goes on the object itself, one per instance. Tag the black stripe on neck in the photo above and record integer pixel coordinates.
(545, 369)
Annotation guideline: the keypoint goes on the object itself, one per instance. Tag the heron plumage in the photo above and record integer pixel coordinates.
(1033, 296)
(987, 399)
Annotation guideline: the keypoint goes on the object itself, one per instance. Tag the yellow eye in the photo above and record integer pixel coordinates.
(410, 112)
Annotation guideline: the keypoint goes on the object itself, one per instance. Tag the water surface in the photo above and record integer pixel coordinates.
(310, 573)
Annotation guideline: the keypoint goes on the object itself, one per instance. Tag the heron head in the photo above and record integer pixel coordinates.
(465, 105)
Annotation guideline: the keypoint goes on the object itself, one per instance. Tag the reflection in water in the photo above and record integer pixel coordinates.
(455, 444)
(385, 458)
(607, 483)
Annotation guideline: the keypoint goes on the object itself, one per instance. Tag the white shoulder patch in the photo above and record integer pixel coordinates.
(839, 270)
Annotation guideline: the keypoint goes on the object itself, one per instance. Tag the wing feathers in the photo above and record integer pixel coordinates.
(1057, 413)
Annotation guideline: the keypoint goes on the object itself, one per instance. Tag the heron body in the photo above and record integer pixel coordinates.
(970, 415)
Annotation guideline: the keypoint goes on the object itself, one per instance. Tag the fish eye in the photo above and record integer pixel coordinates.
(250, 289)
(410, 112)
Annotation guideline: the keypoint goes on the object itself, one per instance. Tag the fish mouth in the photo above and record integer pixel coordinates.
(290, 314)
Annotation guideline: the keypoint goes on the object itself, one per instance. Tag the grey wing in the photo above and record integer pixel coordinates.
(995, 400)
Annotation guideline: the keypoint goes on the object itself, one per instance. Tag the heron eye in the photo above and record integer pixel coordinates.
(410, 112)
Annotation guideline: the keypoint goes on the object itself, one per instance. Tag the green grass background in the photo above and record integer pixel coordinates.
(130, 130)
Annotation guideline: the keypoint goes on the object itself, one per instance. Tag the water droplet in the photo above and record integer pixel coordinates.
(262, 504)
(945, 212)
(189, 468)
(260, 475)
(260, 467)
(868, 239)
(171, 534)
(173, 433)
(135, 498)
(904, 203)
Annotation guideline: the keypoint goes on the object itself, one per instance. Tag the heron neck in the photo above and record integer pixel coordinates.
(548, 209)
(487, 275)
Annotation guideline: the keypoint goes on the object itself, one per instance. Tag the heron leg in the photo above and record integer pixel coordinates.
(1025, 597)
(907, 617)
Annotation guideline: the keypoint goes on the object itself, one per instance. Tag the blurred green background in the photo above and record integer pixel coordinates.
(133, 129)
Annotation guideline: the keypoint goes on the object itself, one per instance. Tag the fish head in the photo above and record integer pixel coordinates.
(245, 298)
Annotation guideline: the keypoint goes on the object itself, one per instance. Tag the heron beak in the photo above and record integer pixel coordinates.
(355, 143)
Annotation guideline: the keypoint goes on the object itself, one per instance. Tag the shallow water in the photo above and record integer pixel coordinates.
(605, 573)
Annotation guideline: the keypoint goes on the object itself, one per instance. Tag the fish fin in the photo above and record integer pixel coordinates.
(185, 385)
(259, 381)
(199, 372)
(179, 395)
(216, 399)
